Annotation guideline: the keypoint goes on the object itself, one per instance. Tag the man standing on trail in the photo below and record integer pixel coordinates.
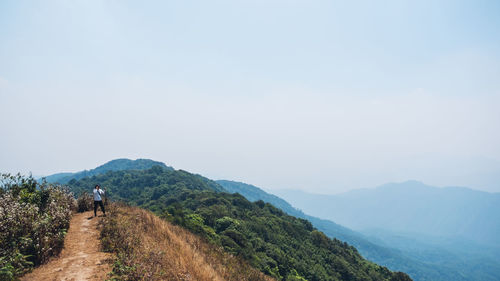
(98, 192)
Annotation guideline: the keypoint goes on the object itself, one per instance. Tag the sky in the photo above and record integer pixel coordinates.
(322, 96)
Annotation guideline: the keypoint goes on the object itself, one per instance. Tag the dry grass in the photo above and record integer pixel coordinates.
(149, 248)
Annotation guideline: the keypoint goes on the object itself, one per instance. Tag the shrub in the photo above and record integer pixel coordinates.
(84, 202)
(34, 218)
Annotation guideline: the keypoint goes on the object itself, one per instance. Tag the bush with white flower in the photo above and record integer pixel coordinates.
(34, 218)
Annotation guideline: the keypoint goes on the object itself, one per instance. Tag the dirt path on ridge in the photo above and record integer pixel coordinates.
(80, 259)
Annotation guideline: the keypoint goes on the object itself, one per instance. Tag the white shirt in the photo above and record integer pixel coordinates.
(97, 194)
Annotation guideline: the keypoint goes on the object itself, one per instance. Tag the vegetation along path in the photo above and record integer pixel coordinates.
(81, 258)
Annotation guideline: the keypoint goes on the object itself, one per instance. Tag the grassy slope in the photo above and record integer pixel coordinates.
(149, 248)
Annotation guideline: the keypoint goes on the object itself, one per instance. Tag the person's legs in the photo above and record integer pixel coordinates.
(95, 208)
(102, 207)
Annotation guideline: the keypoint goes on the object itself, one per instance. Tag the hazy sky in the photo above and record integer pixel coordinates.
(323, 96)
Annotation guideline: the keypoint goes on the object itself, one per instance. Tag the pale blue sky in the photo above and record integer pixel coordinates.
(318, 95)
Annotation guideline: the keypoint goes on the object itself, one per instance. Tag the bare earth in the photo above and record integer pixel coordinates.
(80, 259)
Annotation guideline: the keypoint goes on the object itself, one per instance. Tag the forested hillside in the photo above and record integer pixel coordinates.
(277, 244)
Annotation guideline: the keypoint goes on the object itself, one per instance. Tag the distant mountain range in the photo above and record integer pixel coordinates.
(421, 259)
(454, 228)
(409, 208)
(113, 165)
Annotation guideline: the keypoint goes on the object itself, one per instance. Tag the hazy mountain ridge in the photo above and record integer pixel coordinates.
(404, 216)
(410, 207)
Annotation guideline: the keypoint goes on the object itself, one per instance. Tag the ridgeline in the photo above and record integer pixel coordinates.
(279, 245)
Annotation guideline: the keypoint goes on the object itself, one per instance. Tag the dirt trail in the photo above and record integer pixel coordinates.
(80, 259)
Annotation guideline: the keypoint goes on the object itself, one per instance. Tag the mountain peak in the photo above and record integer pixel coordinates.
(113, 165)
(126, 164)
(409, 184)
